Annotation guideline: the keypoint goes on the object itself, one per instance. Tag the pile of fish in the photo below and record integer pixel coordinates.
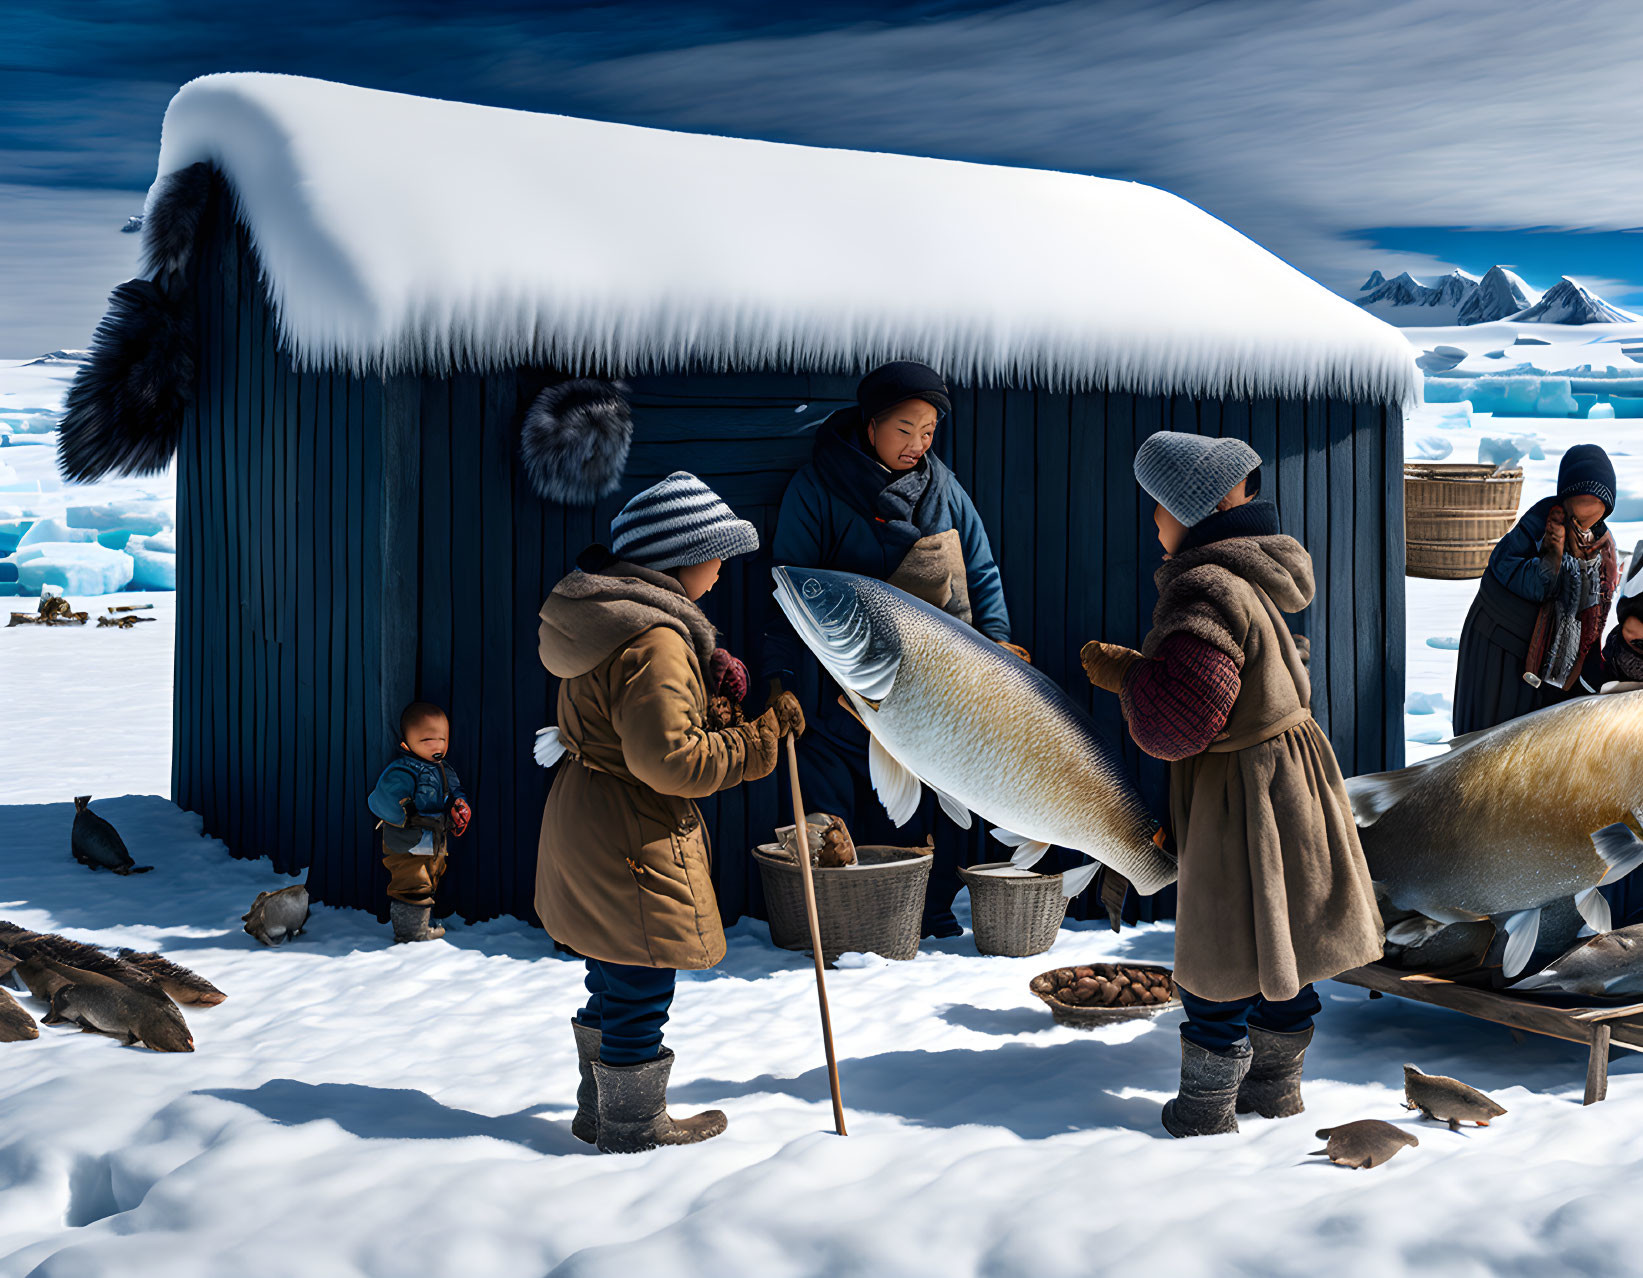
(1522, 816)
(1105, 986)
(988, 733)
(131, 996)
(1369, 1142)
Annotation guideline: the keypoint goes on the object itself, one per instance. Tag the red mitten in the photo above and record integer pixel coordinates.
(461, 814)
(727, 676)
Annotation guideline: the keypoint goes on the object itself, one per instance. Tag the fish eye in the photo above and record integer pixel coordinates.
(811, 588)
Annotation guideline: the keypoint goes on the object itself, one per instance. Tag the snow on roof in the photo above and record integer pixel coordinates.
(406, 232)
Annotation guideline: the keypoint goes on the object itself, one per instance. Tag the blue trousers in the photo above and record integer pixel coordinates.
(1217, 1026)
(628, 1006)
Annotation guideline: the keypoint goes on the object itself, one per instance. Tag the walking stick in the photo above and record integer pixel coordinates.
(801, 832)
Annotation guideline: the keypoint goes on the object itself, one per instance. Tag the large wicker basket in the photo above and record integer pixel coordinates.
(1014, 912)
(872, 907)
(1454, 513)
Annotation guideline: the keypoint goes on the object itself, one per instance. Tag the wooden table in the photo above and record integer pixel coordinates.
(1598, 1027)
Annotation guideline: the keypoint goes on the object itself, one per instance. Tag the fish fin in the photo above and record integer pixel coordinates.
(1075, 881)
(1542, 980)
(1620, 848)
(1522, 931)
(549, 749)
(959, 814)
(897, 788)
(1594, 909)
(1027, 851)
(1613, 981)
(1373, 795)
(1413, 930)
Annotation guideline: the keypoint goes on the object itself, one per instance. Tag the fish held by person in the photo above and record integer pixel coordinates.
(948, 709)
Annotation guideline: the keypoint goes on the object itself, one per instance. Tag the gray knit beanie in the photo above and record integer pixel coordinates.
(679, 521)
(1189, 474)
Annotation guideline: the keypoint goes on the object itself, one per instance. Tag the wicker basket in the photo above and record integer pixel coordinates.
(872, 907)
(1454, 513)
(1013, 914)
(1077, 1017)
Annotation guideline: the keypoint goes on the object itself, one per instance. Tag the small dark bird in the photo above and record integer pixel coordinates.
(15, 1024)
(1366, 1143)
(278, 916)
(98, 844)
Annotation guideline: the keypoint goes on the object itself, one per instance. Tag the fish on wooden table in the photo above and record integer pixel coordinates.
(1608, 965)
(275, 917)
(1510, 820)
(98, 844)
(947, 708)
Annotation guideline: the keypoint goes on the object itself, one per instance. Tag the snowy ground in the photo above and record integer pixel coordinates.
(356, 1109)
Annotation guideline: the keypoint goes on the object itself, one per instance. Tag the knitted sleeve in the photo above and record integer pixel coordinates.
(1179, 699)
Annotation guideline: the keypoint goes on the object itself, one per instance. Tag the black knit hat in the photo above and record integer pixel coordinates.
(890, 384)
(1587, 471)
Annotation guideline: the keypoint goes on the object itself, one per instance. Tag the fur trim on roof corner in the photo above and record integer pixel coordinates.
(574, 441)
(171, 222)
(124, 411)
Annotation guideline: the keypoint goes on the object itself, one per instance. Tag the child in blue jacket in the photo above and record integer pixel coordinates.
(420, 803)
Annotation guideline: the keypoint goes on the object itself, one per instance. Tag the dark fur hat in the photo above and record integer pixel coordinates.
(124, 412)
(574, 442)
(173, 222)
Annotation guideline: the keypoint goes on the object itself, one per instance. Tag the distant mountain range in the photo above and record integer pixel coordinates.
(1460, 298)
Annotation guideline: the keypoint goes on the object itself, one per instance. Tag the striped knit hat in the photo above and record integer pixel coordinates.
(677, 522)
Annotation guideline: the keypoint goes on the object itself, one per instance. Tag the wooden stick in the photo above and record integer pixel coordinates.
(801, 833)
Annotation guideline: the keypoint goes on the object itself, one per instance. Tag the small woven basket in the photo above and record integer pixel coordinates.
(1079, 1017)
(1013, 914)
(872, 907)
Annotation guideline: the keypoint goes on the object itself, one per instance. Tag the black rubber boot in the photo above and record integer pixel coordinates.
(585, 1126)
(1272, 1088)
(1209, 1090)
(411, 922)
(633, 1109)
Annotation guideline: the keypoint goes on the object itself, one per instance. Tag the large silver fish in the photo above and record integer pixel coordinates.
(1512, 819)
(1603, 966)
(988, 733)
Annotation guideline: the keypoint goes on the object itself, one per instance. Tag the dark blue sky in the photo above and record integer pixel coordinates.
(1298, 121)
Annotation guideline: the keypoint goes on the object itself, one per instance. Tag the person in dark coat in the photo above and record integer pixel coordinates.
(1542, 602)
(874, 500)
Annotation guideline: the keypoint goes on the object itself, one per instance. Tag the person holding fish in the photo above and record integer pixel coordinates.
(1273, 891)
(1538, 616)
(875, 501)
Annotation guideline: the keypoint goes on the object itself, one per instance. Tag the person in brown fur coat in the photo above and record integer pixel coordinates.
(1274, 893)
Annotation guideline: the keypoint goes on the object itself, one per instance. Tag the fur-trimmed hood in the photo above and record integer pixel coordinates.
(1278, 564)
(596, 610)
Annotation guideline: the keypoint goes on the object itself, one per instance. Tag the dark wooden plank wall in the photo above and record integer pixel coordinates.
(348, 543)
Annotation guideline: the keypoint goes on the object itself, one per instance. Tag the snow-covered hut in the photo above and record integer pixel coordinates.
(353, 298)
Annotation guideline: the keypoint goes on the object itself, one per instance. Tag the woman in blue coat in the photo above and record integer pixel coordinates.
(1543, 601)
(874, 500)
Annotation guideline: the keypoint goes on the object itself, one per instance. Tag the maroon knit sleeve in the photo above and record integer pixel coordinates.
(1178, 701)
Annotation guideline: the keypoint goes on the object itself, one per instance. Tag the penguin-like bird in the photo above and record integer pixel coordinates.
(98, 844)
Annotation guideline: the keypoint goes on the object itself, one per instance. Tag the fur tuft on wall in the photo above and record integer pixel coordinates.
(124, 412)
(172, 221)
(574, 442)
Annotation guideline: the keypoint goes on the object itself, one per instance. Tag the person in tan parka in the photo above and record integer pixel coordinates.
(622, 871)
(1274, 893)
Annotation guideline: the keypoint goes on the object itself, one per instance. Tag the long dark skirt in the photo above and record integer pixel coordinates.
(1494, 645)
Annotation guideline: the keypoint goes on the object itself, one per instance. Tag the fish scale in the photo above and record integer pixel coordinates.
(969, 719)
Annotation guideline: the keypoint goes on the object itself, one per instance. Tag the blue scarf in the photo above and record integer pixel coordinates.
(900, 507)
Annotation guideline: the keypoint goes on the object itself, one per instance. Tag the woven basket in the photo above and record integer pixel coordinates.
(1013, 914)
(872, 907)
(1454, 513)
(1078, 1017)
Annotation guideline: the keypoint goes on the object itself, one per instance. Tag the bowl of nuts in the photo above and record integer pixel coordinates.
(1105, 993)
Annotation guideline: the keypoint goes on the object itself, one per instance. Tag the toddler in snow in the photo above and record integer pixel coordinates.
(420, 804)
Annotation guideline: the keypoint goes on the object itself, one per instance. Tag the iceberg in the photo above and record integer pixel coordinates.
(75, 567)
(154, 561)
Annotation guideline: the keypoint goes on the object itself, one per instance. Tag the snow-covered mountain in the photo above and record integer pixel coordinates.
(1568, 303)
(1499, 293)
(1461, 298)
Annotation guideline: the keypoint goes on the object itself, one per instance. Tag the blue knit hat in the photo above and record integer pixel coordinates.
(679, 521)
(1188, 475)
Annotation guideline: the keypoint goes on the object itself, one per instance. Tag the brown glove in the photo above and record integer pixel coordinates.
(1017, 649)
(1113, 887)
(789, 714)
(1106, 664)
